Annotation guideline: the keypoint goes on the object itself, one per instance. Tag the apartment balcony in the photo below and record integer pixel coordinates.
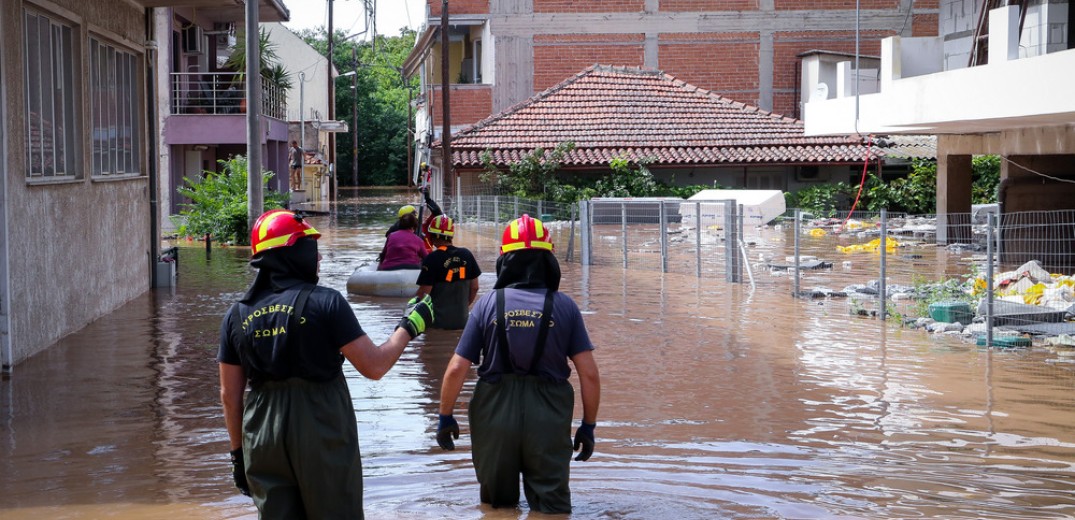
(210, 108)
(912, 93)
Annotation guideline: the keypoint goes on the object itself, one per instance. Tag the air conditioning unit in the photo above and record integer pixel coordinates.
(193, 39)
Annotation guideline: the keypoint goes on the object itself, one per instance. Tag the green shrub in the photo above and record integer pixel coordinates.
(218, 204)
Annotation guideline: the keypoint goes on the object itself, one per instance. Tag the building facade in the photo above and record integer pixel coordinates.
(1009, 95)
(502, 52)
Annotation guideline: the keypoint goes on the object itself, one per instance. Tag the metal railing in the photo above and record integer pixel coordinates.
(222, 93)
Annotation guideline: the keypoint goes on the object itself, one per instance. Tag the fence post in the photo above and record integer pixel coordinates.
(731, 249)
(698, 237)
(584, 232)
(496, 210)
(478, 208)
(664, 237)
(540, 209)
(798, 233)
(882, 285)
(623, 231)
(571, 238)
(991, 228)
(515, 212)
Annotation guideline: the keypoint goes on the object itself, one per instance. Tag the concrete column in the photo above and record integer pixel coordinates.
(953, 198)
(1004, 34)
(891, 62)
(765, 70)
(651, 51)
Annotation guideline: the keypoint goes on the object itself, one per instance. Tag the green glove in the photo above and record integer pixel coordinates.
(418, 316)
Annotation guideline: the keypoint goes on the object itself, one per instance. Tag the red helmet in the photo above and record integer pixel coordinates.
(279, 228)
(525, 233)
(442, 225)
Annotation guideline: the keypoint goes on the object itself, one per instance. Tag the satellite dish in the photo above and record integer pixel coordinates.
(821, 92)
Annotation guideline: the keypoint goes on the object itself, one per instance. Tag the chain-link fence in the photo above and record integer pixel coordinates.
(953, 273)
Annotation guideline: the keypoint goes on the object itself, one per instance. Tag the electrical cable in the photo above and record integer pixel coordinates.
(862, 183)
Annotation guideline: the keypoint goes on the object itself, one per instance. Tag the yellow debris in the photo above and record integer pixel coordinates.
(872, 246)
(817, 232)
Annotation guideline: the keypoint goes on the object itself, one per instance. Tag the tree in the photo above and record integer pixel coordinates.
(533, 176)
(218, 202)
(381, 96)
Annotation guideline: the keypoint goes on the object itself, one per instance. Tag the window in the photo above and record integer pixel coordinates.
(50, 100)
(113, 110)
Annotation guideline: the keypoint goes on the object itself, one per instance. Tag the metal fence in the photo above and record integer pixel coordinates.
(978, 274)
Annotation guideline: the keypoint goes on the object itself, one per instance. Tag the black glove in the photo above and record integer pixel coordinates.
(584, 438)
(447, 429)
(238, 471)
(418, 316)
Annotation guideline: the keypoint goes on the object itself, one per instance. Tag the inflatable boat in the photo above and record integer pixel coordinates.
(368, 281)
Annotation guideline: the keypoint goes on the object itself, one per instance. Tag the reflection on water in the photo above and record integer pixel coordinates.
(718, 402)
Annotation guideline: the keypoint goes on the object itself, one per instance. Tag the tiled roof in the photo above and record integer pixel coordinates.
(613, 112)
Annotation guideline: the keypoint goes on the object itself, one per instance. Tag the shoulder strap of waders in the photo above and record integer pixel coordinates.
(502, 334)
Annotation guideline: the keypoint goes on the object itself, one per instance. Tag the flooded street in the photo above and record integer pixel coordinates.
(717, 402)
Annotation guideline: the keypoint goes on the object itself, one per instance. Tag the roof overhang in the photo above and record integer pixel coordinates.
(227, 10)
(421, 49)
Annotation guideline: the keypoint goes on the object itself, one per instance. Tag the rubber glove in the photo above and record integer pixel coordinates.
(584, 439)
(417, 317)
(447, 429)
(238, 471)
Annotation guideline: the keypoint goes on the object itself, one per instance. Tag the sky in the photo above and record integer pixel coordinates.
(349, 15)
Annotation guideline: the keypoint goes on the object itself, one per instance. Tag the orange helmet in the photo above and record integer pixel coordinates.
(278, 228)
(442, 225)
(525, 233)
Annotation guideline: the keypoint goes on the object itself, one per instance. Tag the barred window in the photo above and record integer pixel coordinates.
(51, 126)
(113, 106)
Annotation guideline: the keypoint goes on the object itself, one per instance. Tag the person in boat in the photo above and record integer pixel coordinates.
(522, 336)
(449, 275)
(428, 202)
(403, 249)
(293, 438)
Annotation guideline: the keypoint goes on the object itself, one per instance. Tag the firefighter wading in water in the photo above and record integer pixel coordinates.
(294, 441)
(521, 335)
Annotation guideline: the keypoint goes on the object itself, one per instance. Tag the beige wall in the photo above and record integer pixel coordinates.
(77, 249)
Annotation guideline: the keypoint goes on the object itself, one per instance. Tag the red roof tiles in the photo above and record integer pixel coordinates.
(613, 112)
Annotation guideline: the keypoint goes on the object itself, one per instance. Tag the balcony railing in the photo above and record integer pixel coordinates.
(222, 93)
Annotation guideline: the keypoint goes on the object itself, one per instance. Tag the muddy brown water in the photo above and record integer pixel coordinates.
(718, 402)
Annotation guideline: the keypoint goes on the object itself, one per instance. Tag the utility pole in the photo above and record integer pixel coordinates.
(331, 112)
(354, 115)
(445, 86)
(254, 196)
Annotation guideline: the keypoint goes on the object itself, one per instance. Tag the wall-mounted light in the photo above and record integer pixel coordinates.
(201, 147)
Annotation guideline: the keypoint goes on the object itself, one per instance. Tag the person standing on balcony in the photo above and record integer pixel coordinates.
(294, 438)
(295, 160)
(522, 335)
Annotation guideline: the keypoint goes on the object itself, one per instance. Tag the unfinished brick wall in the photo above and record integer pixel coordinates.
(469, 104)
(557, 57)
(806, 5)
(925, 25)
(708, 5)
(458, 7)
(589, 6)
(726, 63)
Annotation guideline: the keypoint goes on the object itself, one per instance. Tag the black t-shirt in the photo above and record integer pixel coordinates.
(326, 325)
(449, 269)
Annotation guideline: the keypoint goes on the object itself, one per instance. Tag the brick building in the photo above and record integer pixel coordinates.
(501, 52)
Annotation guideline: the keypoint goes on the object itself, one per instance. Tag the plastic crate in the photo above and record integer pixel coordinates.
(951, 312)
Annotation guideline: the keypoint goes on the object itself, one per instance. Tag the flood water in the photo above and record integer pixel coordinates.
(717, 402)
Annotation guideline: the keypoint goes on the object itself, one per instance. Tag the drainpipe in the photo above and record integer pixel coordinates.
(151, 159)
(255, 200)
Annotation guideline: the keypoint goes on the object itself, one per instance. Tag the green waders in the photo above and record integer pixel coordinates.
(522, 424)
(301, 447)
